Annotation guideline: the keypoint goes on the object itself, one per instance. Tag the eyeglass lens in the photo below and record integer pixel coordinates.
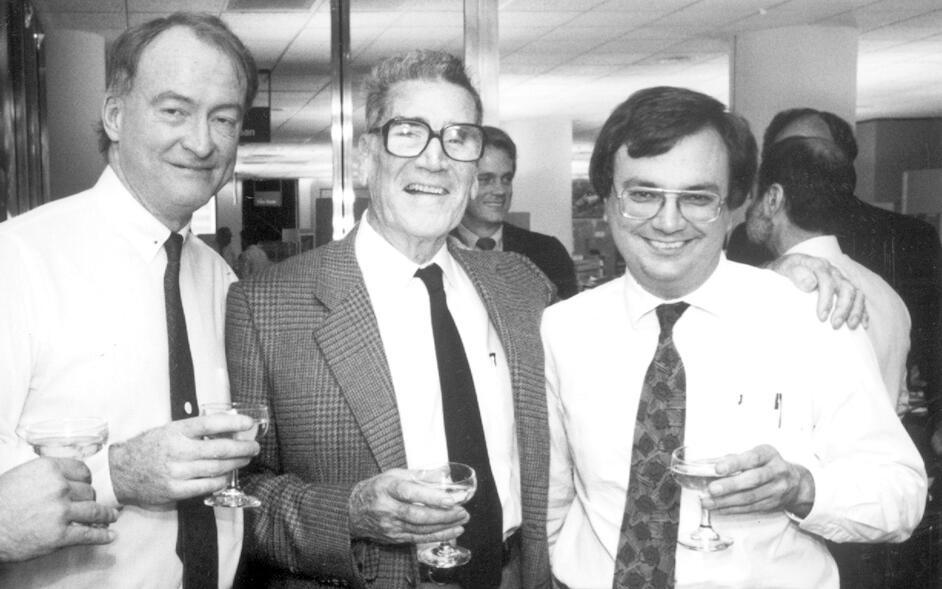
(407, 138)
(645, 203)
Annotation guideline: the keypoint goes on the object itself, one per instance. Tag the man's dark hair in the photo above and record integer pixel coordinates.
(498, 139)
(223, 236)
(125, 55)
(841, 132)
(420, 64)
(651, 121)
(816, 177)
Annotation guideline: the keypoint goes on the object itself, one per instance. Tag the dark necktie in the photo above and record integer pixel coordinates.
(196, 532)
(486, 244)
(648, 536)
(464, 433)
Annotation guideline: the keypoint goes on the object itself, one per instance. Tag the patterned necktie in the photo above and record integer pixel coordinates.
(648, 536)
(464, 434)
(196, 531)
(486, 244)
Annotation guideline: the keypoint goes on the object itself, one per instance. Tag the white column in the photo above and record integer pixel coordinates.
(482, 53)
(543, 184)
(75, 89)
(791, 67)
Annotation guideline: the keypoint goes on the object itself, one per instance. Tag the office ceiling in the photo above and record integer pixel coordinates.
(565, 58)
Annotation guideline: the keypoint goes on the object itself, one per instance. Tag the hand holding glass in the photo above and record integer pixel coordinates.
(233, 496)
(696, 473)
(460, 481)
(66, 437)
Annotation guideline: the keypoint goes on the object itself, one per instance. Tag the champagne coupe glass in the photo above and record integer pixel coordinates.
(695, 472)
(460, 481)
(233, 496)
(66, 437)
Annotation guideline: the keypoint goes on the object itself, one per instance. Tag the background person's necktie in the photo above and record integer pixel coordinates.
(648, 536)
(196, 533)
(465, 436)
(486, 244)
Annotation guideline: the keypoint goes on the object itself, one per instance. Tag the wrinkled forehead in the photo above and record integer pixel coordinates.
(437, 102)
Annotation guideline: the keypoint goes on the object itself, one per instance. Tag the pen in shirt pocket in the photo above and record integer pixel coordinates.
(493, 357)
(779, 408)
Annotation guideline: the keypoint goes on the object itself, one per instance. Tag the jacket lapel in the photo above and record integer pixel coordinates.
(481, 270)
(349, 339)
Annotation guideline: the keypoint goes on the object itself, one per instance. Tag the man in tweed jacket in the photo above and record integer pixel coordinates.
(339, 343)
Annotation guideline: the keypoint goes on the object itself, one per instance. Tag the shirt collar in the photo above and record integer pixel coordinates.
(388, 266)
(129, 219)
(469, 239)
(712, 296)
(822, 246)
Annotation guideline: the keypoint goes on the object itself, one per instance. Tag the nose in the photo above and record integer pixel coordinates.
(669, 219)
(198, 139)
(433, 158)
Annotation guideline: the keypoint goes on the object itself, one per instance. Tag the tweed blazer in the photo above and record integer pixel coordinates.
(303, 337)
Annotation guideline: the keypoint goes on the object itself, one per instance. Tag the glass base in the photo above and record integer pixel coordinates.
(232, 498)
(705, 540)
(444, 556)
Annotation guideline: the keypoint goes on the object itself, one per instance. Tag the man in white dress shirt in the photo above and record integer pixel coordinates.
(804, 185)
(83, 321)
(796, 411)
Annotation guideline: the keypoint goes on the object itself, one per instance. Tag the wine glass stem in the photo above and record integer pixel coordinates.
(234, 480)
(705, 518)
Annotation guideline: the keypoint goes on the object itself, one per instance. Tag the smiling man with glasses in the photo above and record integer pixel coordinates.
(392, 350)
(689, 349)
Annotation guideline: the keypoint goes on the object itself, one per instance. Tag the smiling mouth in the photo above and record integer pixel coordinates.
(425, 189)
(666, 246)
(197, 169)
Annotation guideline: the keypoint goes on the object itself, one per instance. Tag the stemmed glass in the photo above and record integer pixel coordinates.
(460, 481)
(232, 495)
(66, 437)
(696, 473)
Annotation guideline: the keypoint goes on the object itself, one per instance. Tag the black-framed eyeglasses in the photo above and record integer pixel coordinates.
(463, 142)
(643, 202)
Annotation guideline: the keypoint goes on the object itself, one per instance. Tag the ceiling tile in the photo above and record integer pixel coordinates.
(167, 6)
(536, 19)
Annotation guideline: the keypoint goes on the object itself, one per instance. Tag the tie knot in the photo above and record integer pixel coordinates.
(174, 245)
(431, 275)
(667, 315)
(486, 244)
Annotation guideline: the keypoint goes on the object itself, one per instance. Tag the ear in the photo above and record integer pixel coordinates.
(774, 199)
(364, 150)
(111, 116)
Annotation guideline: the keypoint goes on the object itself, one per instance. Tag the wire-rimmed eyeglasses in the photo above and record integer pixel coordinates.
(644, 202)
(463, 142)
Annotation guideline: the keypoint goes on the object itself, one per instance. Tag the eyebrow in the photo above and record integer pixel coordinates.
(704, 186)
(171, 95)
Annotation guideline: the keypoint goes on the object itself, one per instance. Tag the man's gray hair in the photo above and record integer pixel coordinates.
(420, 64)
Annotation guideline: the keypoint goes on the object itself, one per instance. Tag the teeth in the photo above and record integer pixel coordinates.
(667, 245)
(426, 188)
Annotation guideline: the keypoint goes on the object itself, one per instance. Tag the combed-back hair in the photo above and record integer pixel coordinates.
(841, 131)
(499, 139)
(816, 177)
(125, 54)
(651, 121)
(419, 64)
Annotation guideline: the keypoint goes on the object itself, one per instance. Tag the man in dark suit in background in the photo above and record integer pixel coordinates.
(483, 226)
(339, 342)
(903, 250)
